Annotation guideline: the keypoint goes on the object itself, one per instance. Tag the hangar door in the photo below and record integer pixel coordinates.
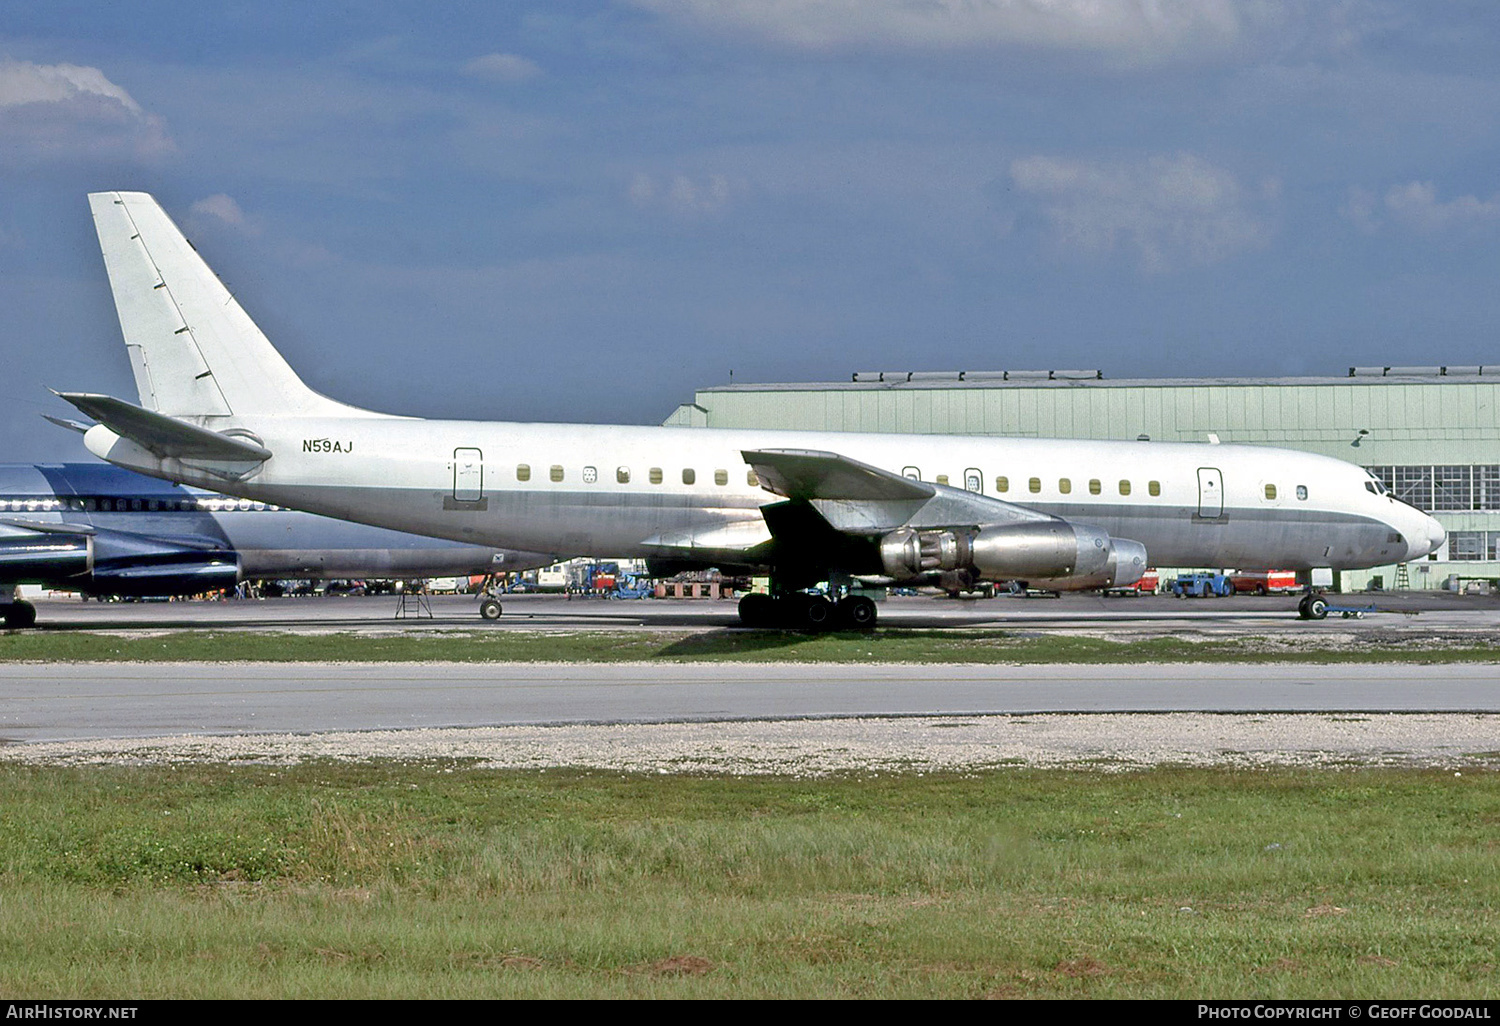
(1210, 493)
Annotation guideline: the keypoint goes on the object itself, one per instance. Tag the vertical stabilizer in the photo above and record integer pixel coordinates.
(194, 350)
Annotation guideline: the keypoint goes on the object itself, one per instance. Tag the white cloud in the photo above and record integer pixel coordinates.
(503, 67)
(680, 194)
(1139, 29)
(22, 82)
(225, 210)
(1167, 209)
(1416, 206)
(67, 110)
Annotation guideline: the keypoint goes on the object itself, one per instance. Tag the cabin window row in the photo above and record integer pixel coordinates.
(111, 504)
(1065, 486)
(655, 475)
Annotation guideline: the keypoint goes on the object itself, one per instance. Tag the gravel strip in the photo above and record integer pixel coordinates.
(1110, 741)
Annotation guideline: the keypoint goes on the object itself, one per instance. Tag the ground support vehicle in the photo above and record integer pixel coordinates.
(1265, 582)
(1202, 585)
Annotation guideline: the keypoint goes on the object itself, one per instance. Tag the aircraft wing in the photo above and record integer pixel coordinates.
(857, 498)
(810, 474)
(163, 435)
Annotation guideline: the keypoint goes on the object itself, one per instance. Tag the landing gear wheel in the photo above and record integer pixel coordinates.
(858, 611)
(20, 615)
(489, 609)
(814, 612)
(757, 610)
(1317, 608)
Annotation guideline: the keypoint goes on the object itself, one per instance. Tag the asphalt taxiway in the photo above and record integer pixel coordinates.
(1143, 616)
(40, 702)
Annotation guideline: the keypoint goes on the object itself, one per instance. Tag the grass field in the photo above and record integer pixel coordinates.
(892, 645)
(446, 881)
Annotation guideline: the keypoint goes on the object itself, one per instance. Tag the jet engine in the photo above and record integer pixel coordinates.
(1063, 555)
(118, 563)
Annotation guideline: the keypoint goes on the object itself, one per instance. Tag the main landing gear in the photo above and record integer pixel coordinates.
(17, 613)
(806, 611)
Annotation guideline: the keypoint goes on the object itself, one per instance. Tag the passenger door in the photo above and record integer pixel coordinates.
(468, 481)
(1210, 493)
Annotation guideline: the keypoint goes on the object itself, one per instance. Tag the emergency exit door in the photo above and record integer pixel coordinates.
(1210, 493)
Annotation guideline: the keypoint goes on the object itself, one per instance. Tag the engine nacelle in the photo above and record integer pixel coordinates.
(1000, 552)
(1126, 565)
(129, 564)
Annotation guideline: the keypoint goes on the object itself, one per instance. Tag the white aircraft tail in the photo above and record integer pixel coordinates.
(194, 350)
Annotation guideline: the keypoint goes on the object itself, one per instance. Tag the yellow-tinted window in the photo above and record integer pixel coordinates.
(721, 477)
(1002, 484)
(622, 475)
(942, 479)
(751, 479)
(1094, 486)
(1124, 487)
(1065, 486)
(1035, 484)
(1270, 491)
(556, 473)
(523, 472)
(689, 475)
(1154, 487)
(655, 475)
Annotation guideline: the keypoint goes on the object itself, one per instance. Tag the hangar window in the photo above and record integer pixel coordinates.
(1124, 487)
(942, 479)
(721, 477)
(1065, 486)
(622, 475)
(1270, 491)
(973, 481)
(911, 472)
(751, 479)
(1094, 487)
(655, 475)
(1302, 492)
(689, 475)
(1154, 487)
(556, 473)
(1002, 484)
(1466, 545)
(523, 472)
(1035, 485)
(590, 475)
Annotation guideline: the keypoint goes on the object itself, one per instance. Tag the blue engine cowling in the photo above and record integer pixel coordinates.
(132, 564)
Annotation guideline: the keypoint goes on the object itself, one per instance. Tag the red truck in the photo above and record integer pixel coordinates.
(1265, 582)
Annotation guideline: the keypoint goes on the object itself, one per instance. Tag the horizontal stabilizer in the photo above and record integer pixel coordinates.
(165, 436)
(810, 474)
(64, 422)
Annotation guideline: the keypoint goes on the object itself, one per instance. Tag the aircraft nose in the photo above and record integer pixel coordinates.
(1436, 535)
(1427, 538)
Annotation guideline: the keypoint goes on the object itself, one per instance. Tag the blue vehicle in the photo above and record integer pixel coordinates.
(1202, 586)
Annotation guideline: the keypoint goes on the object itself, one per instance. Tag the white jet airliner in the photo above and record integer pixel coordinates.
(825, 514)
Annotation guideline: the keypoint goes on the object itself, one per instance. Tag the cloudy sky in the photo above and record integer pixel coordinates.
(584, 209)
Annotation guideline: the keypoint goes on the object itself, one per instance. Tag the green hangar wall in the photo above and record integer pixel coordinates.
(1431, 433)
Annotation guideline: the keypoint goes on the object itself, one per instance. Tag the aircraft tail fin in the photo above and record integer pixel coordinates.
(194, 350)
